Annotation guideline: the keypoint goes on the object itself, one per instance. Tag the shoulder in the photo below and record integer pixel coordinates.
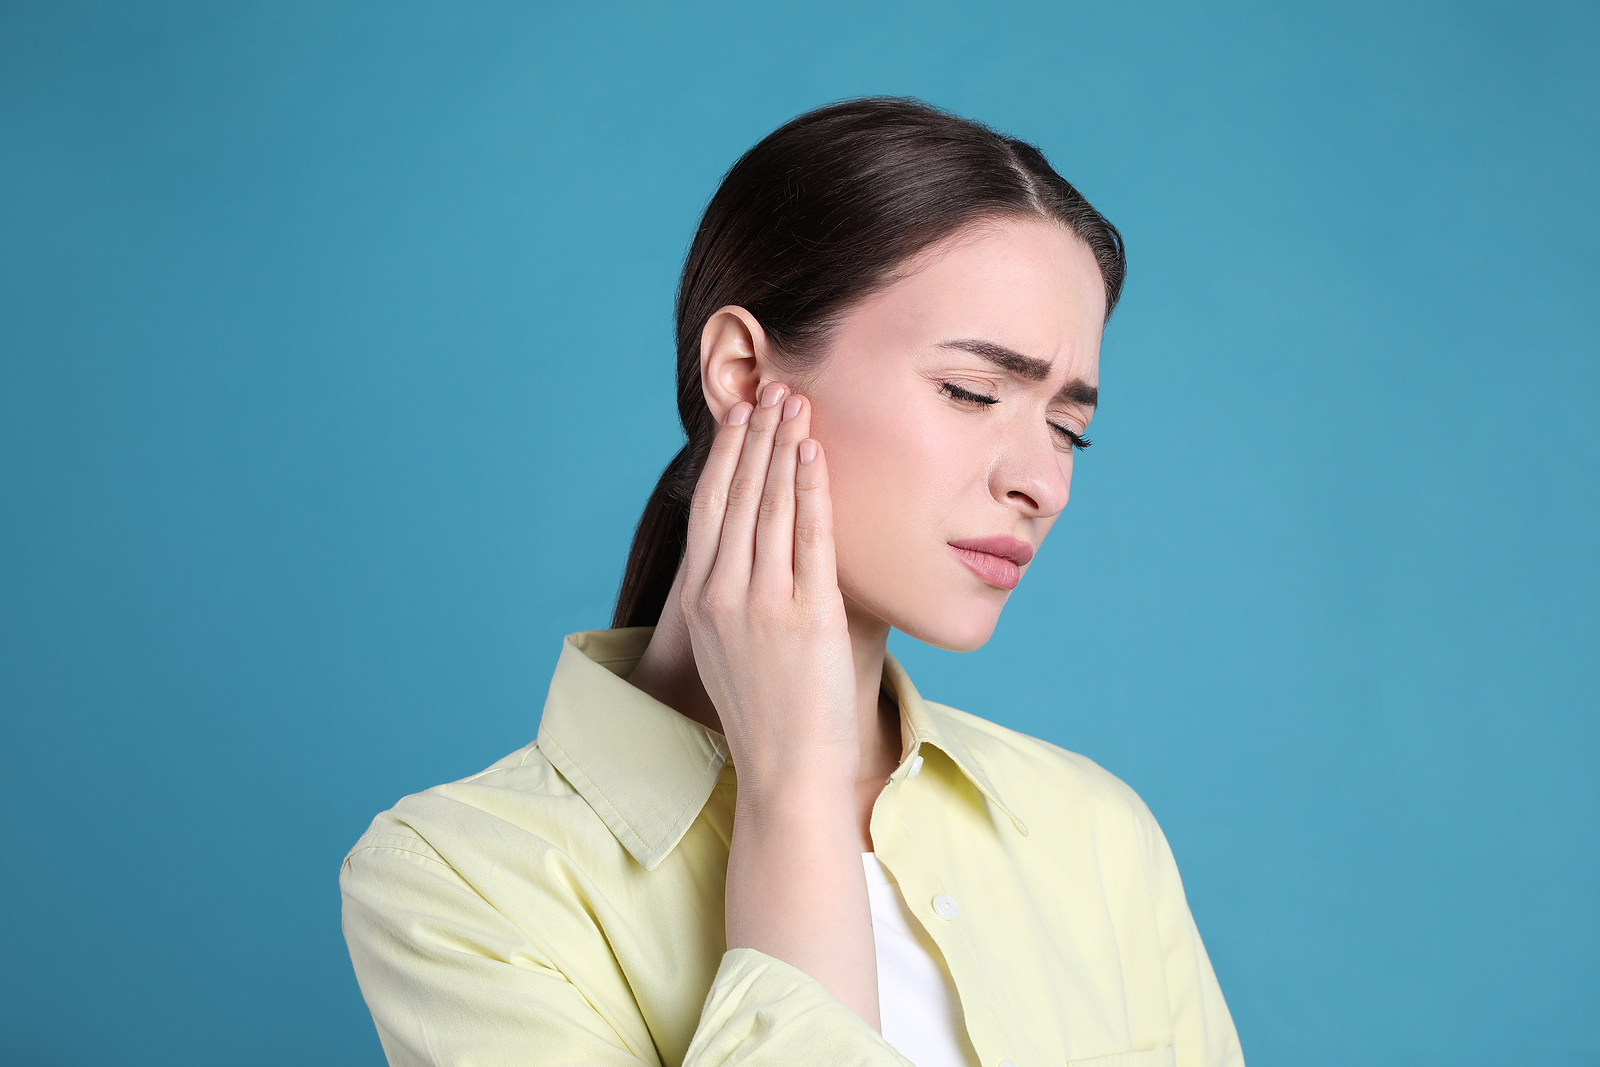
(516, 802)
(1043, 782)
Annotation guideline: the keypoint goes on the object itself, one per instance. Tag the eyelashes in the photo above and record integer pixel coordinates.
(967, 396)
(970, 397)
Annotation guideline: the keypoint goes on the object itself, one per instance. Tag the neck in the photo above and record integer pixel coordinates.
(667, 672)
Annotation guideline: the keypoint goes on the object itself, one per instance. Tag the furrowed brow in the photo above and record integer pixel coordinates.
(1024, 367)
(1076, 391)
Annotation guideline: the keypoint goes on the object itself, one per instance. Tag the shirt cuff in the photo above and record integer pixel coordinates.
(762, 1012)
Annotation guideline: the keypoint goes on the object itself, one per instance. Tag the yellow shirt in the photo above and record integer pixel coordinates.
(565, 906)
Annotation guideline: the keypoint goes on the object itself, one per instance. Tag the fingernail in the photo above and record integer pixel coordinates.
(808, 450)
(791, 407)
(739, 414)
(771, 394)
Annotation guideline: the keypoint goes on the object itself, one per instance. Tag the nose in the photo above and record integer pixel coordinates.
(1033, 475)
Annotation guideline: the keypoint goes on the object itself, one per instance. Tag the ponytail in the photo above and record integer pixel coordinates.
(658, 545)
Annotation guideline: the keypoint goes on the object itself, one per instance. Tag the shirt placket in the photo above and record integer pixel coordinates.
(909, 847)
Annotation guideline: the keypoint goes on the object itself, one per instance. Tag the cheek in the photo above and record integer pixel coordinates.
(867, 466)
(897, 473)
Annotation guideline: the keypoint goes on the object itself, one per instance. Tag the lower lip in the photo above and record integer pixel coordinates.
(996, 570)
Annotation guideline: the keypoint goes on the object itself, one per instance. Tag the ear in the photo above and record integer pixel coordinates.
(735, 360)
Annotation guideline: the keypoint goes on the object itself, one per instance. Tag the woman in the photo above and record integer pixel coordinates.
(741, 835)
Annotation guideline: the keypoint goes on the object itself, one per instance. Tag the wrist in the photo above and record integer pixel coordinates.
(810, 800)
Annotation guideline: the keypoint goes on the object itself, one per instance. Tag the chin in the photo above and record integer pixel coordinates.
(953, 632)
(955, 622)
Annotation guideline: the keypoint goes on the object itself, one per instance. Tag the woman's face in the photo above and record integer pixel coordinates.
(945, 407)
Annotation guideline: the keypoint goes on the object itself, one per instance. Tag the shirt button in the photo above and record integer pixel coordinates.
(945, 908)
(916, 769)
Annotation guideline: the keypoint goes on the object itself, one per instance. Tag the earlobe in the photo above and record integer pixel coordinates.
(734, 361)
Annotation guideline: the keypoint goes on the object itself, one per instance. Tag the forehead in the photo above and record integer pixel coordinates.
(1027, 284)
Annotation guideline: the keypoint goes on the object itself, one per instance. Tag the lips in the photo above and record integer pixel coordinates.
(997, 559)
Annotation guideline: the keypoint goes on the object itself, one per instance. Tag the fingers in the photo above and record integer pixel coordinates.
(816, 579)
(773, 572)
(711, 496)
(736, 547)
(761, 520)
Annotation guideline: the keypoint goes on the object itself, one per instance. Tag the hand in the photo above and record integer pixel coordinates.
(761, 598)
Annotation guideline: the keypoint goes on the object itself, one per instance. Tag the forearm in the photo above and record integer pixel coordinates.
(796, 891)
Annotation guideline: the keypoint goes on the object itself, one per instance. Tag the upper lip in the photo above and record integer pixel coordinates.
(1018, 552)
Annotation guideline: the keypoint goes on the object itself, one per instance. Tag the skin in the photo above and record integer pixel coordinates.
(824, 517)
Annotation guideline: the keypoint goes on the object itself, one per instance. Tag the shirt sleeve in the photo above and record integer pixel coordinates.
(1203, 1034)
(451, 981)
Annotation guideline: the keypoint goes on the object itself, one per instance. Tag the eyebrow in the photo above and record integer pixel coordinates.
(1028, 368)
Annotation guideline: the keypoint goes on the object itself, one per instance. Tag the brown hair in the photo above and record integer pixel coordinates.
(809, 222)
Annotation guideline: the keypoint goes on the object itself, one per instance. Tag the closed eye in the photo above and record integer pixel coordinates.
(952, 389)
(967, 396)
(1077, 441)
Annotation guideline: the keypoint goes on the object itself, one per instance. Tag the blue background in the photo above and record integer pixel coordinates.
(337, 366)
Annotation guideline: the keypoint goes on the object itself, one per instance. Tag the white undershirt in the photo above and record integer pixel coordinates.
(917, 999)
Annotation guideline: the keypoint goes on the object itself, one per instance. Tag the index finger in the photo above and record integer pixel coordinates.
(710, 500)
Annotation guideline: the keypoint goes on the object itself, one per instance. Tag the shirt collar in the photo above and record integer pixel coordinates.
(647, 770)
